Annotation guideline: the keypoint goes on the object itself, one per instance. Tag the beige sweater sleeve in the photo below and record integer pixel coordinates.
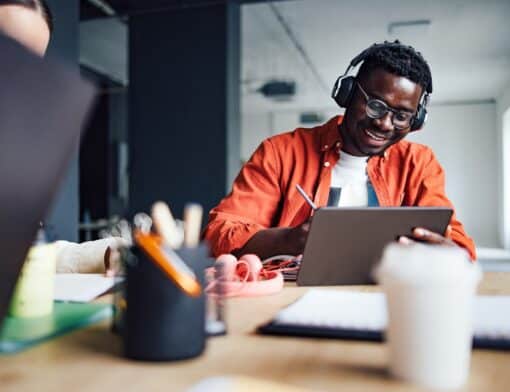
(88, 257)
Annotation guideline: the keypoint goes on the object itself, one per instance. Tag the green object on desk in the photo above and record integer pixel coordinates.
(21, 333)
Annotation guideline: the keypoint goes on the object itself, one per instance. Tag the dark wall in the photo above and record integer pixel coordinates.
(184, 105)
(93, 162)
(62, 221)
(103, 159)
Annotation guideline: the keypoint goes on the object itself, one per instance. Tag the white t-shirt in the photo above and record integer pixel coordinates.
(349, 182)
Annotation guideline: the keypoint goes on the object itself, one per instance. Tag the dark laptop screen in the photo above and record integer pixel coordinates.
(42, 108)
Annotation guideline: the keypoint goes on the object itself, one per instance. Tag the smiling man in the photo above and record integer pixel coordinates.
(359, 159)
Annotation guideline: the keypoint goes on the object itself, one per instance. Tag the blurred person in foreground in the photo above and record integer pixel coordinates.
(30, 23)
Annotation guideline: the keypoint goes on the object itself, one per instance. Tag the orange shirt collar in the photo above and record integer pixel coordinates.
(331, 137)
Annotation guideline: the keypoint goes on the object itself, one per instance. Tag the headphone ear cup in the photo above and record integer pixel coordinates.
(344, 92)
(227, 265)
(254, 266)
(419, 119)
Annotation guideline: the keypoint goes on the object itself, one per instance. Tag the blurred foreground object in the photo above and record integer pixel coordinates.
(241, 384)
(100, 256)
(430, 291)
(33, 295)
(43, 106)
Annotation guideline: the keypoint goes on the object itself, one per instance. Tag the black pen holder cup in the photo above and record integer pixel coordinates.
(161, 322)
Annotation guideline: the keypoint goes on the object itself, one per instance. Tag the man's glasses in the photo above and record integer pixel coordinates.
(375, 108)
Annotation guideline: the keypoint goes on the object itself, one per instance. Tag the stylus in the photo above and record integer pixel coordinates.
(308, 200)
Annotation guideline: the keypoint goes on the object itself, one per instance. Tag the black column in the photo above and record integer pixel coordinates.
(62, 221)
(184, 105)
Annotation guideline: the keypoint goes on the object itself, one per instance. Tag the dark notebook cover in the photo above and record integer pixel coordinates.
(311, 316)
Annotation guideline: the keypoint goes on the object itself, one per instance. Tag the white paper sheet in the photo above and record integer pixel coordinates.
(83, 287)
(367, 311)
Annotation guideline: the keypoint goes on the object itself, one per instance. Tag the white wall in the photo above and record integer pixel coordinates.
(465, 140)
(255, 127)
(503, 113)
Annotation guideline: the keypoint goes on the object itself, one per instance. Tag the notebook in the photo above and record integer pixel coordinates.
(363, 316)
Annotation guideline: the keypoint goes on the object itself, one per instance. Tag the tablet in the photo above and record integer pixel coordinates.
(345, 243)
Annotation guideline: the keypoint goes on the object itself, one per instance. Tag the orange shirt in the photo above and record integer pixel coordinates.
(264, 193)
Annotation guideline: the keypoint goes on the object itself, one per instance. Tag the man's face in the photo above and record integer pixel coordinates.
(365, 136)
(26, 26)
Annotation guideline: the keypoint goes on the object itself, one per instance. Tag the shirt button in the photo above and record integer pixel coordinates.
(326, 164)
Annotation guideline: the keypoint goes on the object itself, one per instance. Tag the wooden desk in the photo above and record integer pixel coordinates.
(89, 360)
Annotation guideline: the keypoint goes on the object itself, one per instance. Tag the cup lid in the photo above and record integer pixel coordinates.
(425, 264)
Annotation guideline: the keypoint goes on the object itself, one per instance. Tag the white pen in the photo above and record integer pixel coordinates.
(305, 196)
(192, 224)
(165, 225)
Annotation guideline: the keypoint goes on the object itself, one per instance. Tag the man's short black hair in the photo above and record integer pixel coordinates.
(40, 6)
(400, 60)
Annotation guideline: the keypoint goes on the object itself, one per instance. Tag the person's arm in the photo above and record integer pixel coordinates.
(432, 193)
(243, 221)
(276, 241)
(100, 256)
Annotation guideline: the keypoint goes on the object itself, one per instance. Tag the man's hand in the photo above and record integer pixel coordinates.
(277, 241)
(424, 235)
(296, 238)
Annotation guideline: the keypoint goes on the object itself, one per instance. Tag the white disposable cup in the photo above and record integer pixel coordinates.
(430, 292)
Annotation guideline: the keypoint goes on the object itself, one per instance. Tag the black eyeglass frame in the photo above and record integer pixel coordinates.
(387, 109)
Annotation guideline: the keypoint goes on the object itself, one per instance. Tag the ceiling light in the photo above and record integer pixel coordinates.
(279, 90)
(407, 27)
(311, 118)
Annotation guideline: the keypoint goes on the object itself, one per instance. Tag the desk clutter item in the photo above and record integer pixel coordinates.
(362, 316)
(162, 322)
(161, 312)
(288, 265)
(169, 262)
(17, 334)
(245, 277)
(33, 294)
